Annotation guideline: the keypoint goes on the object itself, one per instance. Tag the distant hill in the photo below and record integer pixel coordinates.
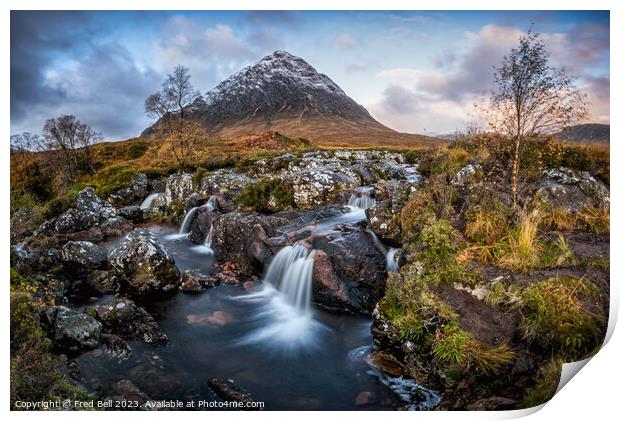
(585, 133)
(284, 93)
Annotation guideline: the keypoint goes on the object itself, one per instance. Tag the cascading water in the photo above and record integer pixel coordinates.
(285, 321)
(391, 260)
(205, 248)
(148, 201)
(189, 216)
(362, 201)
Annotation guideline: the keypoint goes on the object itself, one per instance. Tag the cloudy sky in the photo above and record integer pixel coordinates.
(414, 71)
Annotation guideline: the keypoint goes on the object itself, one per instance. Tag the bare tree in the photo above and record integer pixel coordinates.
(170, 107)
(531, 98)
(72, 141)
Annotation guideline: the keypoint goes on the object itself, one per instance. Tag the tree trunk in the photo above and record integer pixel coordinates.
(515, 173)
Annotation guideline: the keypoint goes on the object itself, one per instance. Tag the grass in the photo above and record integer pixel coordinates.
(453, 346)
(487, 221)
(546, 384)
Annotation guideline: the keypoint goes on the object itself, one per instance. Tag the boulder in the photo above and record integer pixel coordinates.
(124, 318)
(194, 282)
(463, 176)
(201, 224)
(116, 346)
(315, 187)
(70, 330)
(83, 254)
(144, 263)
(570, 189)
(132, 213)
(137, 191)
(356, 279)
(242, 237)
(179, 187)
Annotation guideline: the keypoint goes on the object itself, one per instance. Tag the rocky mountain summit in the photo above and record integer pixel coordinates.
(283, 92)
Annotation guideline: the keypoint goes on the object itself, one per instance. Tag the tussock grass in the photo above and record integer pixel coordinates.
(546, 384)
(455, 346)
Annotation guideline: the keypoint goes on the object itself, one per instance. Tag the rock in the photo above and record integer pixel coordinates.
(570, 189)
(314, 187)
(479, 291)
(83, 254)
(365, 398)
(493, 403)
(132, 194)
(116, 346)
(357, 278)
(463, 176)
(225, 182)
(124, 318)
(179, 187)
(24, 222)
(70, 330)
(102, 282)
(385, 362)
(132, 213)
(196, 319)
(219, 318)
(229, 391)
(241, 237)
(194, 282)
(145, 264)
(125, 390)
(201, 224)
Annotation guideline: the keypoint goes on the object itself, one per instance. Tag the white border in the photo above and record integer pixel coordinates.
(591, 394)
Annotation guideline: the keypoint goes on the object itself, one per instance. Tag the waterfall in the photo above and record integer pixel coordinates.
(363, 201)
(189, 216)
(148, 201)
(391, 261)
(205, 248)
(285, 320)
(282, 261)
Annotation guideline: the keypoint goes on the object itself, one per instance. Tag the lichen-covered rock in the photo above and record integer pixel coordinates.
(132, 213)
(570, 189)
(356, 280)
(132, 194)
(179, 187)
(313, 187)
(224, 181)
(83, 254)
(124, 318)
(194, 282)
(144, 263)
(70, 330)
(466, 173)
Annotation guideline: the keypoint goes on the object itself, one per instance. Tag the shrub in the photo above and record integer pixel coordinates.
(268, 195)
(555, 315)
(137, 149)
(442, 161)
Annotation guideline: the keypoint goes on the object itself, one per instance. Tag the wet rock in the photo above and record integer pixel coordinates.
(385, 335)
(132, 194)
(194, 282)
(365, 398)
(228, 390)
(327, 288)
(132, 213)
(145, 264)
(70, 330)
(570, 189)
(83, 254)
(124, 318)
(242, 237)
(384, 217)
(196, 319)
(116, 346)
(358, 268)
(219, 318)
(125, 390)
(201, 224)
(102, 282)
(385, 362)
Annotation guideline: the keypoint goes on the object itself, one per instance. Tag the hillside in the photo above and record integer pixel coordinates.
(585, 133)
(284, 93)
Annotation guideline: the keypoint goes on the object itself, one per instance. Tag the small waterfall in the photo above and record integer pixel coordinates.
(205, 248)
(296, 285)
(148, 201)
(282, 261)
(362, 201)
(391, 261)
(189, 216)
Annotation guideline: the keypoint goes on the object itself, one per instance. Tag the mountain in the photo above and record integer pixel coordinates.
(585, 133)
(284, 93)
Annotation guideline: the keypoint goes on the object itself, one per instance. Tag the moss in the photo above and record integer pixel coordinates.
(546, 384)
(268, 195)
(112, 179)
(556, 317)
